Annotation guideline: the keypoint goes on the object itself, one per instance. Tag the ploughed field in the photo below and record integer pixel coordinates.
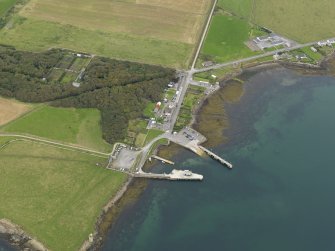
(153, 31)
(11, 109)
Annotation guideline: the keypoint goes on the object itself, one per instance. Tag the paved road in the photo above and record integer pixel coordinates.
(271, 53)
(203, 37)
(60, 145)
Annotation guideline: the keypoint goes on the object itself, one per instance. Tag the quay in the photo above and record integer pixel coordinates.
(216, 157)
(162, 159)
(174, 175)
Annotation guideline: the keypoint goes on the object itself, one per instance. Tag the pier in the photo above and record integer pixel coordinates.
(174, 175)
(162, 159)
(216, 157)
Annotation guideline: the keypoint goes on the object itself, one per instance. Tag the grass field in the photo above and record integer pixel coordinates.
(225, 39)
(149, 110)
(152, 31)
(11, 109)
(301, 20)
(55, 195)
(239, 7)
(152, 133)
(78, 126)
(5, 5)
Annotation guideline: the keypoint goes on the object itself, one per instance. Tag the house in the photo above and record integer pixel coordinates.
(171, 84)
(301, 56)
(76, 84)
(207, 63)
(314, 49)
(322, 43)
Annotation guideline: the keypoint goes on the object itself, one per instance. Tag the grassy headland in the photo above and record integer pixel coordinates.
(55, 195)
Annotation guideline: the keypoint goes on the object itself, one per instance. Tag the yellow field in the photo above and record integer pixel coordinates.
(301, 20)
(176, 20)
(11, 109)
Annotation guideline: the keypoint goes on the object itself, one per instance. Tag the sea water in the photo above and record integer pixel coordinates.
(280, 193)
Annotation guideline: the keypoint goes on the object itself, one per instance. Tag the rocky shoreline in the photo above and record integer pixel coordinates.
(18, 238)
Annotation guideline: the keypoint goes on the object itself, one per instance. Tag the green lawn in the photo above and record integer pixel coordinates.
(225, 39)
(149, 110)
(219, 73)
(79, 126)
(316, 56)
(153, 133)
(55, 195)
(5, 5)
(170, 93)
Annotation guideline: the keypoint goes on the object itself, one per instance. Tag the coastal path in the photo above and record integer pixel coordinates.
(56, 144)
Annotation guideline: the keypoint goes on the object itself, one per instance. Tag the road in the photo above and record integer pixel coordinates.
(203, 37)
(270, 53)
(59, 145)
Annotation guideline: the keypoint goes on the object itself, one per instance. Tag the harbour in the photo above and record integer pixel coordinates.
(266, 200)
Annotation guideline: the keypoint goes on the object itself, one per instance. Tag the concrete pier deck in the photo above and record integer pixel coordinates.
(216, 157)
(162, 159)
(174, 175)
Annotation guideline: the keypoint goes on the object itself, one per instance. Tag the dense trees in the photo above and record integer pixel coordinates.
(119, 89)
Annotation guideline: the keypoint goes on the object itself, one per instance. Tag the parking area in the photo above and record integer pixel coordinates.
(123, 157)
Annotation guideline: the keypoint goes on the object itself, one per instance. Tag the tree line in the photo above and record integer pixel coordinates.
(119, 89)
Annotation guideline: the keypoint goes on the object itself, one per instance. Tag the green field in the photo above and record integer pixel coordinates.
(151, 31)
(303, 21)
(225, 39)
(53, 194)
(239, 7)
(152, 133)
(5, 5)
(78, 126)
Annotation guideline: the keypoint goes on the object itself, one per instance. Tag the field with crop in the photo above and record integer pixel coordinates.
(78, 126)
(55, 195)
(301, 20)
(152, 31)
(10, 109)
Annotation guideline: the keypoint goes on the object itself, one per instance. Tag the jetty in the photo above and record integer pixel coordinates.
(174, 175)
(162, 159)
(216, 157)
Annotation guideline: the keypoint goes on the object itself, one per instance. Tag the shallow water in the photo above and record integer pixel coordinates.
(279, 196)
(4, 246)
